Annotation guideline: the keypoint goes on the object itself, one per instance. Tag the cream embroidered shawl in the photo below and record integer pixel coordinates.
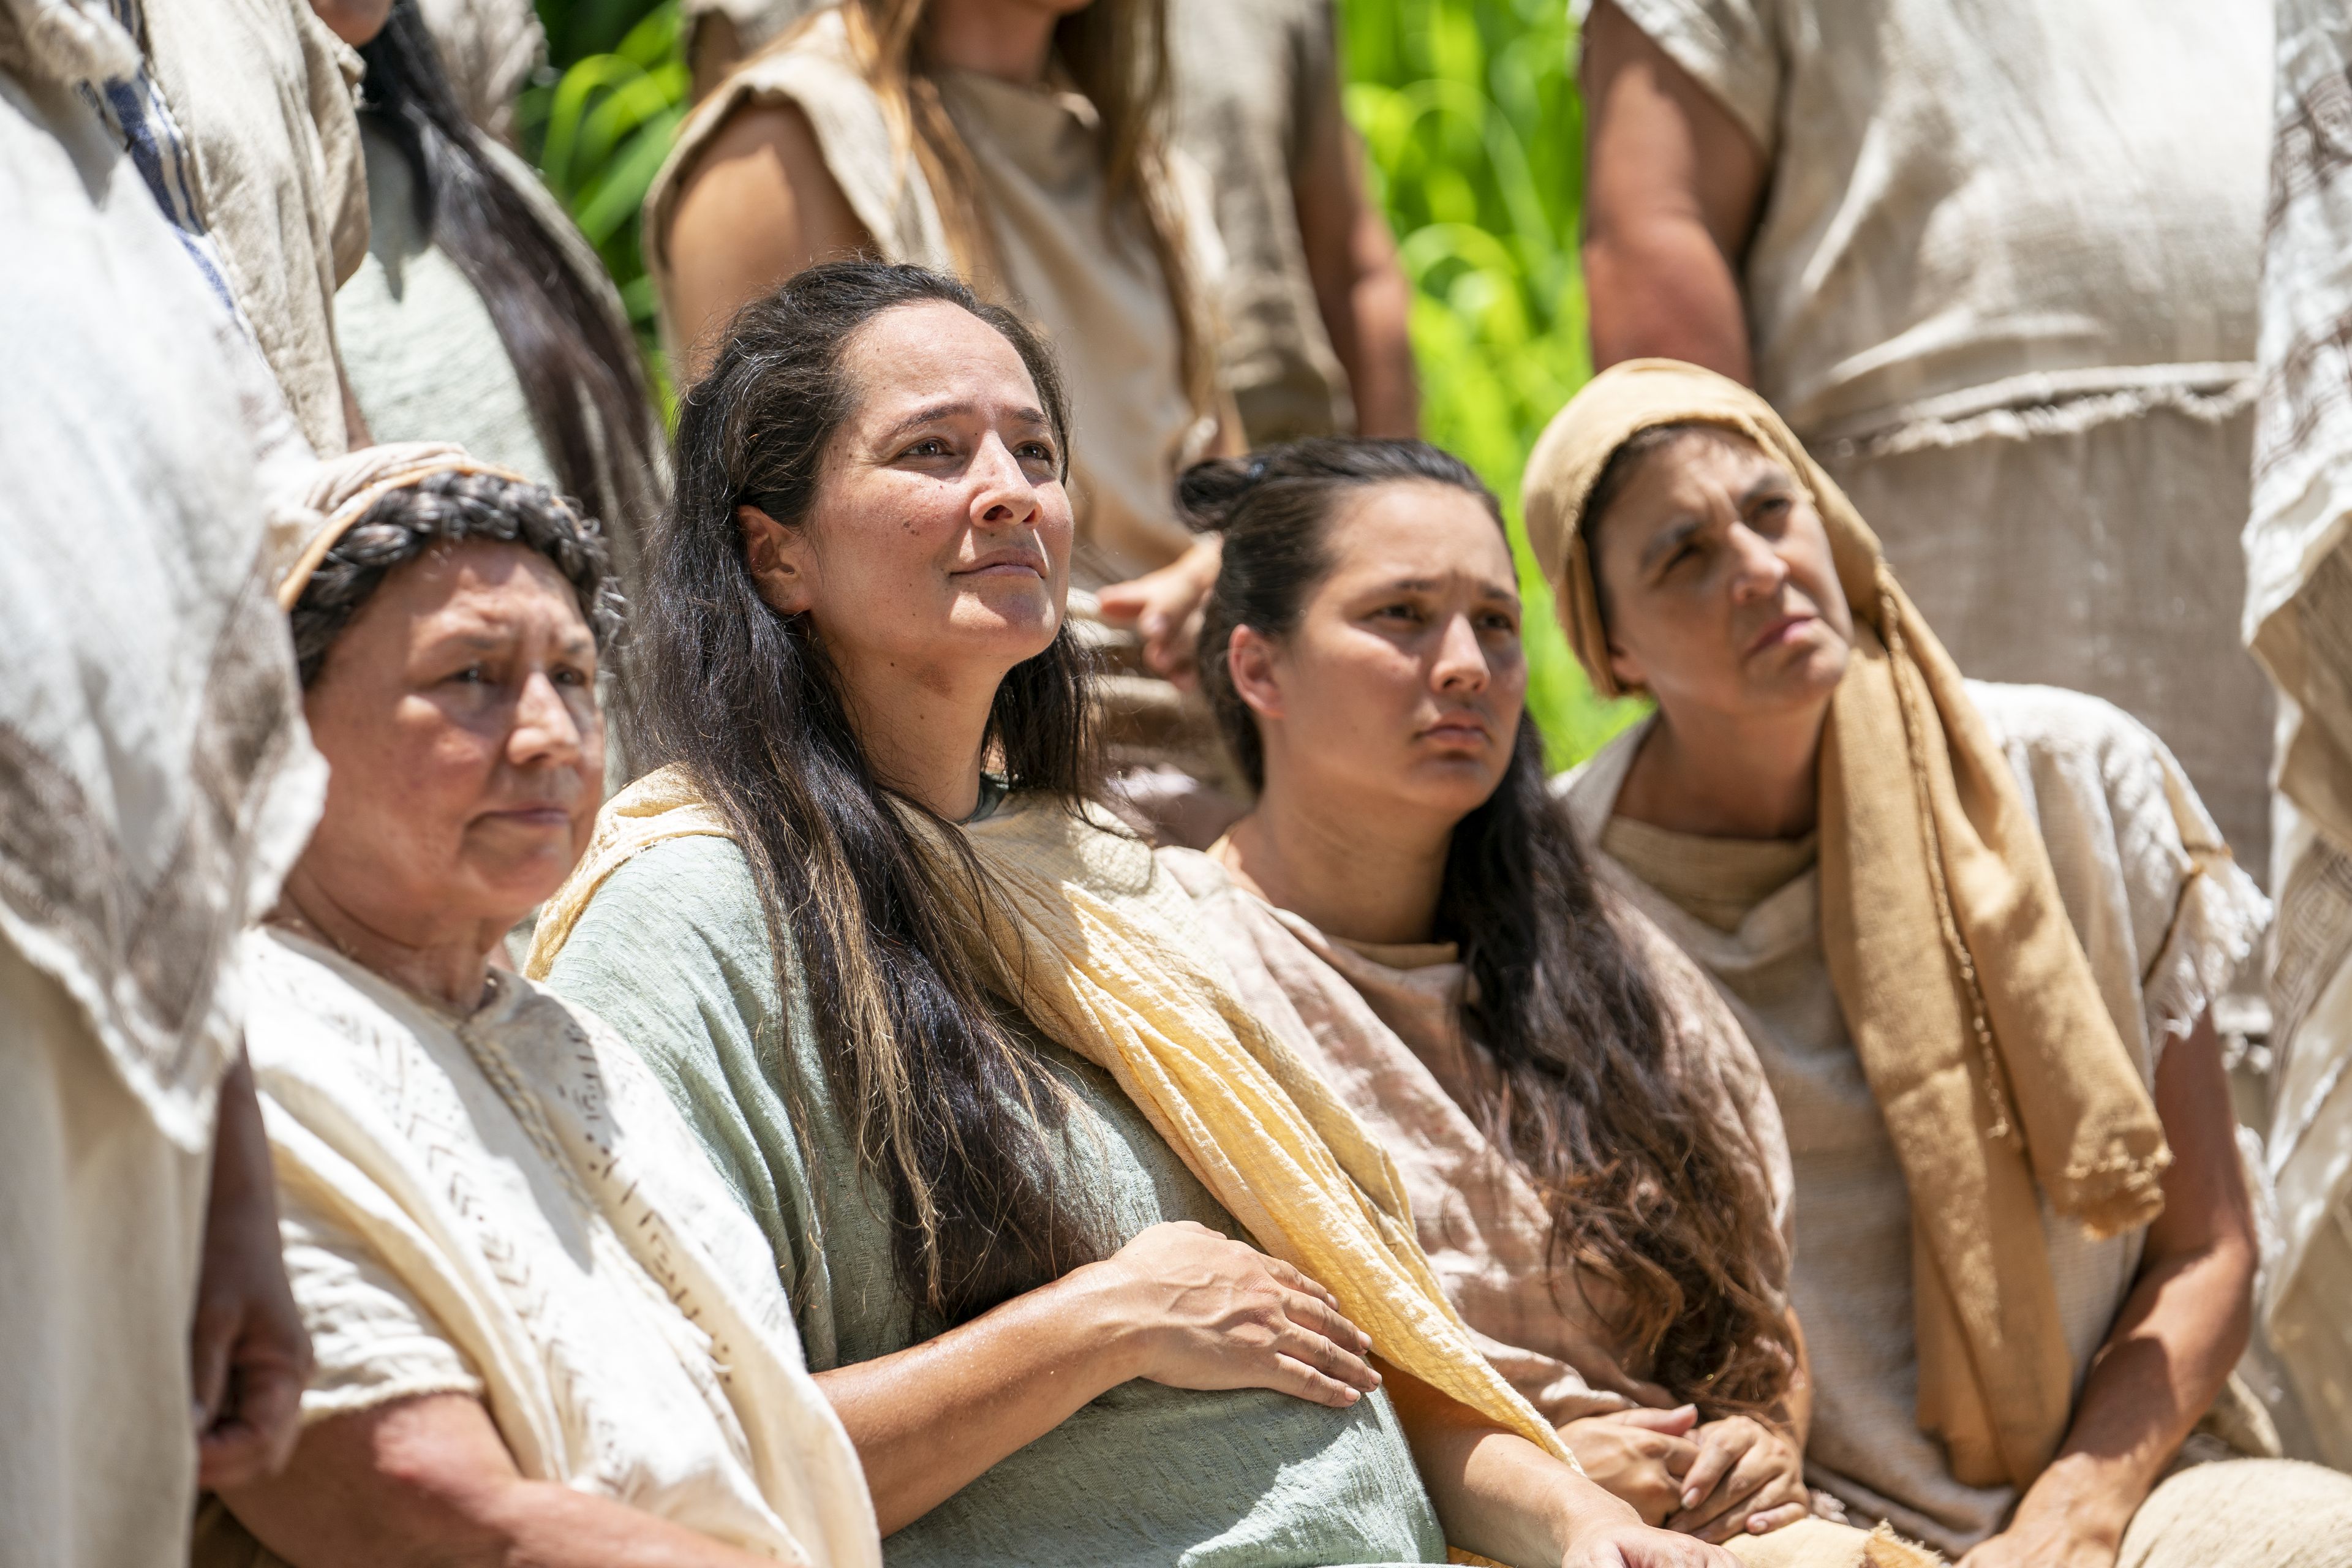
(508, 1206)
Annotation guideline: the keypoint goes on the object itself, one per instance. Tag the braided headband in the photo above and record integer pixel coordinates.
(347, 514)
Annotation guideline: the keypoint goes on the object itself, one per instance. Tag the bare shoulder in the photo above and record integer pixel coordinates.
(762, 162)
(755, 204)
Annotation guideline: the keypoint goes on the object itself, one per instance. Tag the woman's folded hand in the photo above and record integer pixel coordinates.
(1748, 1478)
(1193, 1309)
(1639, 1456)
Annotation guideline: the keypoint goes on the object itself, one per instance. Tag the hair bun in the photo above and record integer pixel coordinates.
(1207, 492)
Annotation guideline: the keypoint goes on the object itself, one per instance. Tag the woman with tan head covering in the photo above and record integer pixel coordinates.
(1973, 932)
(543, 1330)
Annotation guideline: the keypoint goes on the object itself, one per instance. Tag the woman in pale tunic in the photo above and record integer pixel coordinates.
(543, 1329)
(1597, 1168)
(1974, 932)
(1092, 1267)
(1018, 146)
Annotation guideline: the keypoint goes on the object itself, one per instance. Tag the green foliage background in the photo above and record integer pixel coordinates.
(1474, 135)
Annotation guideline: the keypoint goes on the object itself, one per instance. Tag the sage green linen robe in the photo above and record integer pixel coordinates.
(674, 953)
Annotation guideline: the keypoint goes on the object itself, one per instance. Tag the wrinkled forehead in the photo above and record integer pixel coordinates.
(934, 354)
(1664, 473)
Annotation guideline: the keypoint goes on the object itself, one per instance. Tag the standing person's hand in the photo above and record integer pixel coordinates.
(248, 1352)
(1639, 1456)
(1165, 607)
(1748, 1478)
(1202, 1310)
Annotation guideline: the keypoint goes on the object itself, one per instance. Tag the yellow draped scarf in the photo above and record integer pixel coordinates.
(1965, 988)
(1090, 936)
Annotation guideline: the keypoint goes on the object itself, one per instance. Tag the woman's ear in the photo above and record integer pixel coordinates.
(1625, 667)
(1249, 658)
(780, 562)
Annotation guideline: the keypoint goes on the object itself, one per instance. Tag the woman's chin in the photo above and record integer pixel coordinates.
(1020, 623)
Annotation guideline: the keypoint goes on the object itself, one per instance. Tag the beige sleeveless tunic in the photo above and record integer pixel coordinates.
(1085, 275)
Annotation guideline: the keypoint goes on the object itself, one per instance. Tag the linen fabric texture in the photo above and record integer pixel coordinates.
(1081, 269)
(2004, 289)
(1102, 950)
(1256, 92)
(1382, 1026)
(2164, 918)
(425, 359)
(265, 94)
(1969, 999)
(673, 950)
(155, 782)
(488, 50)
(2298, 621)
(506, 1205)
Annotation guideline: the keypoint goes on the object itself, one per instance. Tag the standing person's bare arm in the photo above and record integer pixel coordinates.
(757, 206)
(2180, 1331)
(1673, 184)
(248, 1353)
(1361, 288)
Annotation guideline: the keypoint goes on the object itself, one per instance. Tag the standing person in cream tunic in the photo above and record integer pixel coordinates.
(2298, 610)
(1017, 146)
(156, 784)
(1974, 932)
(545, 1334)
(1313, 338)
(1996, 264)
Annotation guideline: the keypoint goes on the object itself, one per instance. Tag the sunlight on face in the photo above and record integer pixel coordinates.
(1720, 588)
(1402, 685)
(457, 713)
(941, 536)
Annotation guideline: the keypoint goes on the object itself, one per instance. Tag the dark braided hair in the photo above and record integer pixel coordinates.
(1644, 1199)
(449, 508)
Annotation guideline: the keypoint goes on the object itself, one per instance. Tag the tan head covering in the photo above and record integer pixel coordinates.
(1962, 982)
(347, 486)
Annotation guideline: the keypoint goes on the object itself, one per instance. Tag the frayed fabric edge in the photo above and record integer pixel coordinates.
(2068, 417)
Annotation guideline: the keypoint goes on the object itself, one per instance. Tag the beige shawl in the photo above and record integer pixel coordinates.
(507, 1205)
(1382, 1026)
(1965, 988)
(1101, 949)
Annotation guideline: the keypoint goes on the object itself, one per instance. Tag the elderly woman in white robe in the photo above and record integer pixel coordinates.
(543, 1328)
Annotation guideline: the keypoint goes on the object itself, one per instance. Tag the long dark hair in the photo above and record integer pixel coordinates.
(1643, 1199)
(950, 1108)
(578, 363)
